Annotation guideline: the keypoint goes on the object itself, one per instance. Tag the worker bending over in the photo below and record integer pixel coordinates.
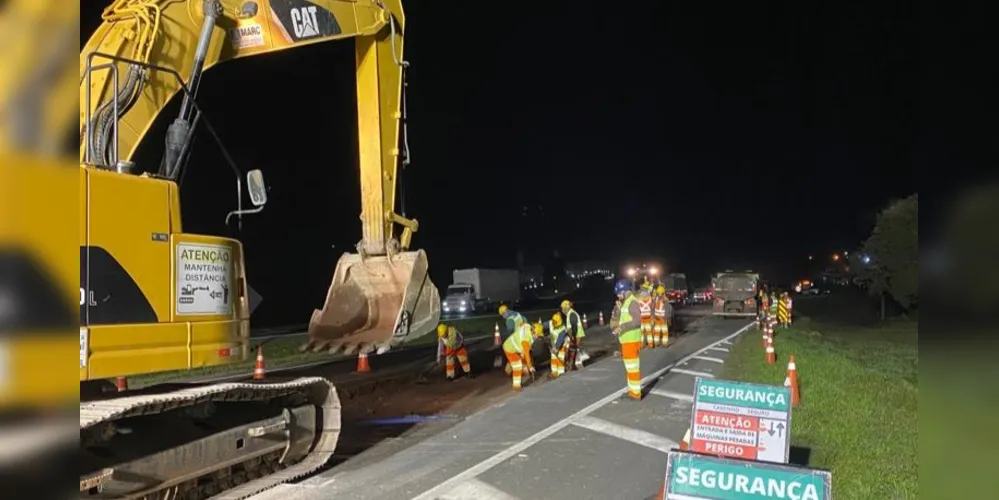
(575, 356)
(645, 310)
(517, 348)
(627, 328)
(660, 317)
(513, 318)
(451, 345)
(560, 339)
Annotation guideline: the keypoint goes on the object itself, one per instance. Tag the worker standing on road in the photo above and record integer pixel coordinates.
(560, 339)
(574, 324)
(451, 345)
(645, 308)
(517, 348)
(660, 317)
(790, 305)
(629, 334)
(513, 318)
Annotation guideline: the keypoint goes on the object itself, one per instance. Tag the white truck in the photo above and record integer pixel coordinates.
(475, 290)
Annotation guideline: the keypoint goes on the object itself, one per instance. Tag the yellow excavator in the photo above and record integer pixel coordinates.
(154, 298)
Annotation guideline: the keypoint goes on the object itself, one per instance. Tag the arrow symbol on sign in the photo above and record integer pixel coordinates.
(780, 429)
(771, 431)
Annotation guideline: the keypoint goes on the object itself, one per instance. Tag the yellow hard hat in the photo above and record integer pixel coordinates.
(441, 330)
(660, 289)
(556, 319)
(502, 309)
(566, 304)
(647, 285)
(539, 329)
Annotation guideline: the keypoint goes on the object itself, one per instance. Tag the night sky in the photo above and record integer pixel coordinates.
(663, 134)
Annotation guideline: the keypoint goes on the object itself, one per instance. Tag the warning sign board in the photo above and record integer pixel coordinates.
(204, 279)
(692, 476)
(736, 419)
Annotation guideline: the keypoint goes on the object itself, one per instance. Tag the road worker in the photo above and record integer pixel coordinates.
(628, 329)
(517, 348)
(576, 356)
(560, 340)
(645, 307)
(451, 345)
(763, 308)
(513, 318)
(790, 307)
(660, 317)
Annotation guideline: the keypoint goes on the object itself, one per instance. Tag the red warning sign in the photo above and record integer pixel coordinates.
(727, 420)
(725, 449)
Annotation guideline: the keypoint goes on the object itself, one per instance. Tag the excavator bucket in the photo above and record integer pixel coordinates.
(375, 303)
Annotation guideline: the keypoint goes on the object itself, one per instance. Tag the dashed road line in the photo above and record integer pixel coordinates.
(692, 373)
(673, 395)
(707, 358)
(637, 436)
(502, 456)
(473, 488)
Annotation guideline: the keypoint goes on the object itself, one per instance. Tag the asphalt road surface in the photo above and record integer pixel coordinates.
(574, 438)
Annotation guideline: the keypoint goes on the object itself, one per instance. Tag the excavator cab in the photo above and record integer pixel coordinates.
(375, 302)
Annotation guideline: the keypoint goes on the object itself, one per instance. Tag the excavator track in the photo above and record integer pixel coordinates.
(223, 441)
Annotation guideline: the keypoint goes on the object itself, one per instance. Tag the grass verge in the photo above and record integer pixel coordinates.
(281, 352)
(859, 395)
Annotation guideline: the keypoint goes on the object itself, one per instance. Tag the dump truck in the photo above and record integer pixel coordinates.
(735, 294)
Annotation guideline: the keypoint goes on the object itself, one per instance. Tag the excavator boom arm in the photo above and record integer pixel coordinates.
(192, 36)
(378, 297)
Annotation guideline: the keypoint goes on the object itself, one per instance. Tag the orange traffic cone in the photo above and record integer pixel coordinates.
(362, 362)
(791, 380)
(121, 383)
(771, 355)
(601, 318)
(685, 444)
(258, 370)
(584, 320)
(765, 336)
(496, 335)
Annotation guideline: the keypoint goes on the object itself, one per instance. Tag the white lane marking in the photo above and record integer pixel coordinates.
(498, 458)
(726, 342)
(673, 395)
(722, 349)
(692, 373)
(706, 358)
(637, 436)
(473, 488)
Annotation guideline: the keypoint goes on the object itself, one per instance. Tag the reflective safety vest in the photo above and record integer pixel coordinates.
(634, 335)
(579, 322)
(453, 339)
(514, 343)
(660, 311)
(514, 320)
(646, 308)
(556, 331)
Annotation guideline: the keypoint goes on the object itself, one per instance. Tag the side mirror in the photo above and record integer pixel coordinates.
(256, 187)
